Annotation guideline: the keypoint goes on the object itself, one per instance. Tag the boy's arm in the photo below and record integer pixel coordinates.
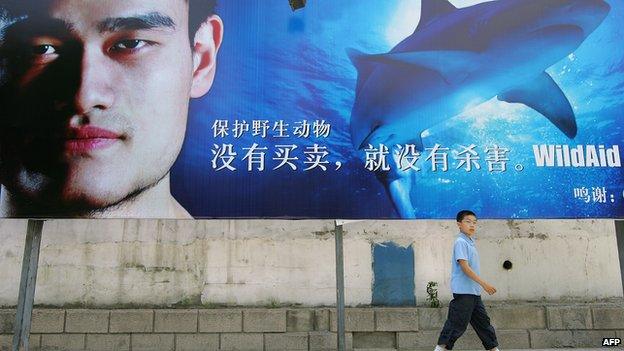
(472, 275)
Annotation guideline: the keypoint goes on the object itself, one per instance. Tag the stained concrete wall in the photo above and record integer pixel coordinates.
(252, 262)
(520, 326)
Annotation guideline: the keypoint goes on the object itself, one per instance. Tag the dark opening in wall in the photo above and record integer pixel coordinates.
(297, 4)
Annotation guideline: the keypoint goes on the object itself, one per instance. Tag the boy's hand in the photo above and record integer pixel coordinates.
(489, 289)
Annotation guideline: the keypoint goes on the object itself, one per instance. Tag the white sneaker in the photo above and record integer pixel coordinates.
(439, 348)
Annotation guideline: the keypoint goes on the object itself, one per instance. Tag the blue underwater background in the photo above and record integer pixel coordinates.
(277, 64)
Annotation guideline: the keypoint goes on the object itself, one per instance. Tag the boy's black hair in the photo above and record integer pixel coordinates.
(463, 213)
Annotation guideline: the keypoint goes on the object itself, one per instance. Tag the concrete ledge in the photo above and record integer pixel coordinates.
(35, 341)
(242, 341)
(468, 341)
(423, 339)
(396, 319)
(323, 340)
(513, 339)
(197, 342)
(431, 318)
(6, 342)
(220, 321)
(132, 321)
(591, 338)
(153, 342)
(86, 321)
(321, 320)
(568, 338)
(374, 340)
(175, 321)
(47, 321)
(66, 342)
(108, 342)
(264, 320)
(518, 317)
(7, 320)
(356, 319)
(608, 317)
(299, 320)
(567, 317)
(285, 341)
(306, 329)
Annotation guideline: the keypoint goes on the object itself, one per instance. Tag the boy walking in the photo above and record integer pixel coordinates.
(467, 306)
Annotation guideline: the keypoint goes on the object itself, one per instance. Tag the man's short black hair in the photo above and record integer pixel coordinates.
(11, 10)
(463, 213)
(199, 10)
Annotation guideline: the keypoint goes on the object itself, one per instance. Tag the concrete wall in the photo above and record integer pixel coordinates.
(521, 326)
(252, 262)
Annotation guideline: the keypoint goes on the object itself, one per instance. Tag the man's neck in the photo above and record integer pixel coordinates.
(154, 202)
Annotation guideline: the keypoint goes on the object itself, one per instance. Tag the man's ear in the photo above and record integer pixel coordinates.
(205, 47)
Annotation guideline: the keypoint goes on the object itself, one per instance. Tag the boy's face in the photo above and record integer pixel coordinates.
(468, 225)
(96, 103)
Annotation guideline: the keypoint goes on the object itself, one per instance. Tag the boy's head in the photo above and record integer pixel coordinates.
(467, 222)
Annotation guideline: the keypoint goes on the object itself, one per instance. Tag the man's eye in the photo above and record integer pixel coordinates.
(45, 49)
(130, 44)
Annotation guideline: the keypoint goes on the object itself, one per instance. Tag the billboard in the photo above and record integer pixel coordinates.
(349, 109)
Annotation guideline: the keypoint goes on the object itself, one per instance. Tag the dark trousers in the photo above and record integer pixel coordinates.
(466, 309)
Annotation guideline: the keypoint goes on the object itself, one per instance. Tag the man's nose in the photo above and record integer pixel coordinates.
(95, 91)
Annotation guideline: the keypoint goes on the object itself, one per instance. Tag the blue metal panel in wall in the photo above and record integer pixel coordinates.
(393, 275)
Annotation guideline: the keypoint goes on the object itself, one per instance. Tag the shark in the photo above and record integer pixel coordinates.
(458, 58)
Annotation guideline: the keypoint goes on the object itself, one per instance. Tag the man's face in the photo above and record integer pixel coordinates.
(468, 225)
(95, 99)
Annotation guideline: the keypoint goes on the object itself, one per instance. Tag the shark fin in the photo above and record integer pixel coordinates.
(454, 66)
(545, 96)
(400, 191)
(363, 66)
(430, 9)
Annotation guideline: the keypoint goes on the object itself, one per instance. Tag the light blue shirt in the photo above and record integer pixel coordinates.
(465, 249)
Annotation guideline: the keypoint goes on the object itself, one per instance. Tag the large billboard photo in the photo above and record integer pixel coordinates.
(341, 109)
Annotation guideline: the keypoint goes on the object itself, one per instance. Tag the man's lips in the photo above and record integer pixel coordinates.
(85, 139)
